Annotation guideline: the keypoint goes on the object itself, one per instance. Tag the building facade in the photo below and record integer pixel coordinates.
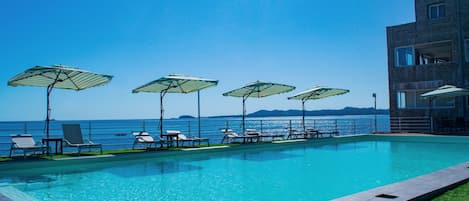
(426, 54)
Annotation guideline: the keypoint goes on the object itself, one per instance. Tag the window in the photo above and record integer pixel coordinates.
(436, 11)
(413, 100)
(400, 100)
(433, 53)
(404, 56)
(466, 50)
(419, 101)
(443, 102)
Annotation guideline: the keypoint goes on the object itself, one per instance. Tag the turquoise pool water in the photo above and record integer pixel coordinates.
(287, 172)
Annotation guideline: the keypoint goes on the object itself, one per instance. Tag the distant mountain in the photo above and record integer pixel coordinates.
(345, 111)
(339, 112)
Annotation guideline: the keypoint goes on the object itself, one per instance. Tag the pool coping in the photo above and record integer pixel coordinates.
(424, 187)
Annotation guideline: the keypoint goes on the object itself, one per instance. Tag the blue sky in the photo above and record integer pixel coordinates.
(298, 42)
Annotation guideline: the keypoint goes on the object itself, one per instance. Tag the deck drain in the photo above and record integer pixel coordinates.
(386, 196)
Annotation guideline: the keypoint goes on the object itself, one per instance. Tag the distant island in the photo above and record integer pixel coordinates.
(339, 112)
(186, 117)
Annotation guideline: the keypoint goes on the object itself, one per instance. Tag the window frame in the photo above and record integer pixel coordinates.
(437, 6)
(402, 96)
(401, 104)
(396, 56)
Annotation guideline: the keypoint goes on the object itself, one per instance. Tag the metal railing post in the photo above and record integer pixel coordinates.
(399, 122)
(431, 125)
(89, 130)
(261, 127)
(25, 127)
(289, 128)
(335, 125)
(354, 127)
(189, 128)
(89, 133)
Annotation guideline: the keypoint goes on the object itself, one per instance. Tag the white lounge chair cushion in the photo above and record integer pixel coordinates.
(173, 132)
(182, 137)
(145, 139)
(23, 141)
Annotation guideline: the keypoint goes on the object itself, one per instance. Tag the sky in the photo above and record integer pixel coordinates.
(303, 43)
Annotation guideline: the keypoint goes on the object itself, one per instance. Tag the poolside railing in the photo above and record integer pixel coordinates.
(116, 134)
(411, 124)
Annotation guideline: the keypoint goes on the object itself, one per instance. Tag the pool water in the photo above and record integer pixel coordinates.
(305, 171)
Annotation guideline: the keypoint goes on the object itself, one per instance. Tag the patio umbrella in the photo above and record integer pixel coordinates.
(446, 91)
(316, 93)
(258, 89)
(58, 76)
(176, 84)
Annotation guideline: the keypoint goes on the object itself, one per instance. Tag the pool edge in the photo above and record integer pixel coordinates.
(418, 188)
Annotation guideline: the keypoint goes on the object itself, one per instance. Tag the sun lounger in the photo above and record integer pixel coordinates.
(183, 138)
(26, 143)
(311, 133)
(231, 136)
(297, 134)
(331, 133)
(261, 136)
(74, 138)
(143, 137)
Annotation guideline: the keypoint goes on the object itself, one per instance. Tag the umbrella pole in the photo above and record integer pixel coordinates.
(303, 118)
(431, 115)
(198, 109)
(161, 114)
(49, 91)
(244, 114)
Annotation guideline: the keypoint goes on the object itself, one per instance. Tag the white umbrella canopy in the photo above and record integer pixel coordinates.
(176, 83)
(446, 91)
(258, 89)
(58, 76)
(314, 94)
(318, 93)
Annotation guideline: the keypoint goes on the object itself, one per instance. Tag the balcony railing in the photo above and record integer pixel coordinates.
(410, 125)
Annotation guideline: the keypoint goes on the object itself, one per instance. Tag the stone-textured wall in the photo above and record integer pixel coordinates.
(427, 31)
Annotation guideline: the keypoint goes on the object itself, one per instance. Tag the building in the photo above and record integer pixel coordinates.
(423, 55)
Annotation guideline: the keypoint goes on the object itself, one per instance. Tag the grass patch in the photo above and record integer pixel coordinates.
(2, 159)
(51, 157)
(105, 152)
(460, 193)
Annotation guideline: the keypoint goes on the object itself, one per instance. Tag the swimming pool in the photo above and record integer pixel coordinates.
(313, 170)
